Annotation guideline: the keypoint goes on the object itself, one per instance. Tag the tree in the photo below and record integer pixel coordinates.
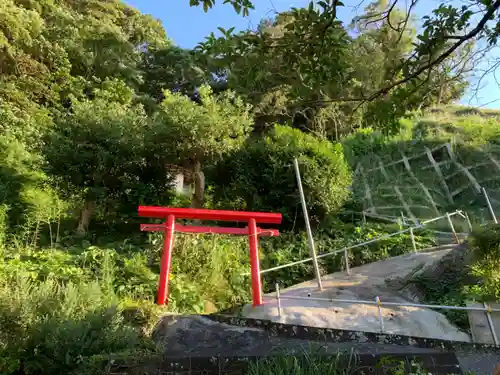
(172, 68)
(53, 50)
(266, 67)
(444, 32)
(260, 176)
(195, 135)
(95, 150)
(240, 6)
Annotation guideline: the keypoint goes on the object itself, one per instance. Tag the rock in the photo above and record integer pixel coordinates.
(199, 336)
(209, 307)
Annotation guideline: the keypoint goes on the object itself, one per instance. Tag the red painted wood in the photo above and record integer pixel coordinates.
(204, 229)
(204, 214)
(166, 260)
(253, 240)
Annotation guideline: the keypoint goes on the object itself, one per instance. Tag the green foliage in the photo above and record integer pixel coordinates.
(208, 269)
(18, 168)
(240, 6)
(486, 248)
(473, 145)
(292, 247)
(451, 290)
(303, 364)
(457, 285)
(486, 241)
(3, 225)
(200, 132)
(52, 327)
(172, 69)
(309, 363)
(308, 60)
(260, 176)
(363, 142)
(60, 309)
(92, 148)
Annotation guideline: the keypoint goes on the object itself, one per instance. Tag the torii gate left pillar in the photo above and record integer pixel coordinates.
(169, 228)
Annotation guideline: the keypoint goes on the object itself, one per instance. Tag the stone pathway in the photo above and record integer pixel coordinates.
(364, 283)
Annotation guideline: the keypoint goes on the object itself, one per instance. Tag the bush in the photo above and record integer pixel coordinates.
(486, 248)
(291, 247)
(363, 142)
(51, 327)
(261, 177)
(486, 241)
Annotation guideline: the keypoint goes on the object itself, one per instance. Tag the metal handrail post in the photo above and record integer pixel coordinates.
(308, 225)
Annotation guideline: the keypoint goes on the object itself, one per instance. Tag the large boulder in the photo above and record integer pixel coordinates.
(199, 336)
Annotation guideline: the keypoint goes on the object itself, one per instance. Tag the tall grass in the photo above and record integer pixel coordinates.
(305, 363)
(343, 363)
(47, 327)
(62, 309)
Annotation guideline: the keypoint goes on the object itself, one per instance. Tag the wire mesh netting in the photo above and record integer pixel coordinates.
(422, 182)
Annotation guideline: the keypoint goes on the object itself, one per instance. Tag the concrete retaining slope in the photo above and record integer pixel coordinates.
(364, 283)
(218, 342)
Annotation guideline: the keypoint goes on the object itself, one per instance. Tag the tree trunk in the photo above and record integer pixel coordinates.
(85, 215)
(199, 187)
(440, 95)
(441, 91)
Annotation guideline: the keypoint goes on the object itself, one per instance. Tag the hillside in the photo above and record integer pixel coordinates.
(102, 112)
(437, 164)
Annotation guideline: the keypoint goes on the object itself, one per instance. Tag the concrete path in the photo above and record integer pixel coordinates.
(364, 283)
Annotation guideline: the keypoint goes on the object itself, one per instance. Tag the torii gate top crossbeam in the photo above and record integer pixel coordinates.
(204, 214)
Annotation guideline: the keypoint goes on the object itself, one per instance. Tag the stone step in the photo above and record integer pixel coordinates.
(480, 326)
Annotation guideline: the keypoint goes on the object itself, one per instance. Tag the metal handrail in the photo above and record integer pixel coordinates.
(377, 302)
(345, 249)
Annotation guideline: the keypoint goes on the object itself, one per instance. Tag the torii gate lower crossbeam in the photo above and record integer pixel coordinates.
(169, 228)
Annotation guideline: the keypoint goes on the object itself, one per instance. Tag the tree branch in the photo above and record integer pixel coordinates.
(479, 27)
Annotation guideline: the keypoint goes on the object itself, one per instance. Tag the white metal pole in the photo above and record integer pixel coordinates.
(409, 304)
(490, 208)
(308, 225)
(346, 257)
(418, 226)
(278, 300)
(381, 320)
(490, 323)
(412, 237)
(452, 227)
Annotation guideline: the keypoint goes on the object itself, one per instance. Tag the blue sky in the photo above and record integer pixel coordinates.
(187, 26)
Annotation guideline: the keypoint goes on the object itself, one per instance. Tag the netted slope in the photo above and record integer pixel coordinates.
(421, 180)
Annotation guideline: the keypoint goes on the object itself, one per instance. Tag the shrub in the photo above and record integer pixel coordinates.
(208, 269)
(486, 241)
(261, 177)
(291, 247)
(486, 248)
(363, 142)
(53, 328)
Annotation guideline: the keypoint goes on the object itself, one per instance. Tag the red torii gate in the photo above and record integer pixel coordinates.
(170, 214)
